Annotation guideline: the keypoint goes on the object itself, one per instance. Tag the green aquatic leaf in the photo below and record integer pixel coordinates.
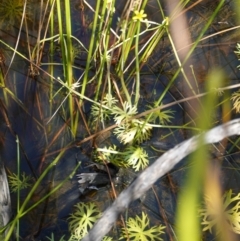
(237, 52)
(18, 183)
(124, 114)
(125, 133)
(110, 155)
(98, 112)
(135, 130)
(11, 12)
(138, 229)
(136, 157)
(85, 215)
(236, 101)
(163, 116)
(143, 130)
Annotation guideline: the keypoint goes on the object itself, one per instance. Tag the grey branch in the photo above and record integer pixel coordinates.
(159, 168)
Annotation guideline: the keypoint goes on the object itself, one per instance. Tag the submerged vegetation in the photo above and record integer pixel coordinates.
(11, 12)
(114, 77)
(82, 220)
(18, 183)
(137, 229)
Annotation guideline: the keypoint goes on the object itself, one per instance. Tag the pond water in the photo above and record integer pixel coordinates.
(28, 111)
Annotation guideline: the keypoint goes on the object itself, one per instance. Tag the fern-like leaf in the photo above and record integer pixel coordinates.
(135, 130)
(82, 219)
(136, 157)
(164, 116)
(124, 114)
(101, 113)
(138, 229)
(110, 155)
(16, 183)
(236, 101)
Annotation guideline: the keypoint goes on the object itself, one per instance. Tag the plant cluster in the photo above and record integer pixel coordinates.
(137, 229)
(129, 131)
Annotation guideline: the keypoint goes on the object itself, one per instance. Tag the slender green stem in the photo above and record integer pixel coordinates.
(91, 47)
(69, 62)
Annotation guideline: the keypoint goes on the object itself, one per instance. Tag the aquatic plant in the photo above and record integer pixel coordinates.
(138, 229)
(236, 95)
(136, 157)
(16, 183)
(236, 101)
(130, 129)
(125, 113)
(163, 116)
(83, 218)
(231, 213)
(11, 12)
(237, 52)
(133, 156)
(136, 130)
(111, 154)
(98, 112)
(123, 78)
